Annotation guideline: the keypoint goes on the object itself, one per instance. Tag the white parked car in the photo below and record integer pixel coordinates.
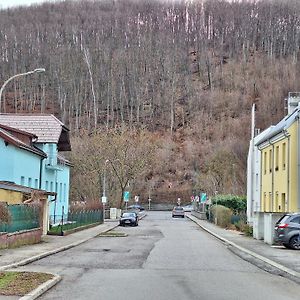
(188, 207)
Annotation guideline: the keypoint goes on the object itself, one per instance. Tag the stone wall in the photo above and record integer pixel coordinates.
(20, 238)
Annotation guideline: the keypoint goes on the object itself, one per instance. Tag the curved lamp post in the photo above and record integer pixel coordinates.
(39, 70)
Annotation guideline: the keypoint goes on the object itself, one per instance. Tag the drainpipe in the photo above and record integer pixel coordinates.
(272, 170)
(41, 171)
(288, 169)
(298, 164)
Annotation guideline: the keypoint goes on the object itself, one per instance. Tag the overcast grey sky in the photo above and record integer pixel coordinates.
(14, 3)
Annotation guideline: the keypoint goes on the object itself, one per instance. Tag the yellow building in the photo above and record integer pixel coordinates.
(16, 194)
(279, 166)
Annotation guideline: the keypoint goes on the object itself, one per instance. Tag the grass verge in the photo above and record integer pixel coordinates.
(21, 283)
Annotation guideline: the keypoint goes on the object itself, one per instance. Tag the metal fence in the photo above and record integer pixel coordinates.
(74, 220)
(21, 217)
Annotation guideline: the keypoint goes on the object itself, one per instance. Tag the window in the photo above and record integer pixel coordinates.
(47, 185)
(60, 193)
(270, 161)
(277, 206)
(296, 220)
(282, 208)
(270, 202)
(22, 180)
(265, 162)
(277, 158)
(283, 155)
(65, 192)
(29, 182)
(51, 186)
(36, 183)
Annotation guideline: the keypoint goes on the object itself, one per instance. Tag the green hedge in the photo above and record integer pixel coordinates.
(238, 204)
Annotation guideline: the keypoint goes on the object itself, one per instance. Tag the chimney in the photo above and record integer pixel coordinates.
(293, 101)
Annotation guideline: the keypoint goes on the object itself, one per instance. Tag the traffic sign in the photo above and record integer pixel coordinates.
(136, 199)
(203, 197)
(126, 196)
(104, 199)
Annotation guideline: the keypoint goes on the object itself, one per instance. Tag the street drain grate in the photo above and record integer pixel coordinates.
(116, 250)
(112, 234)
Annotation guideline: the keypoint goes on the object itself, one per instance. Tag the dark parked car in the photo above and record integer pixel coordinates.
(129, 218)
(136, 206)
(287, 231)
(178, 211)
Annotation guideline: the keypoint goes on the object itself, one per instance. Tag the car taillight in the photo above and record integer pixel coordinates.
(284, 225)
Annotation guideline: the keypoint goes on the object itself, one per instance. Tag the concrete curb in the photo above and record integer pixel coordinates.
(51, 252)
(249, 252)
(42, 288)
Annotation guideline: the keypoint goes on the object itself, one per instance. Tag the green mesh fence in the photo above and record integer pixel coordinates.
(74, 220)
(22, 217)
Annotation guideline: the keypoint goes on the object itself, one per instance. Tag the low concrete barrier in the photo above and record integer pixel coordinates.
(199, 215)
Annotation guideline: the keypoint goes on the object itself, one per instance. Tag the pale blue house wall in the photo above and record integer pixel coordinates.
(55, 178)
(19, 166)
(23, 167)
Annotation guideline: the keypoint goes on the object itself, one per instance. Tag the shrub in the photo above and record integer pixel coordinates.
(222, 214)
(237, 204)
(243, 227)
(5, 216)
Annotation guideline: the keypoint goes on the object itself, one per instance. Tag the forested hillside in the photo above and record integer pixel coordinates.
(184, 73)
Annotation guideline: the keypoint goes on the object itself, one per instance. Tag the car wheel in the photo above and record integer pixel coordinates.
(182, 216)
(295, 242)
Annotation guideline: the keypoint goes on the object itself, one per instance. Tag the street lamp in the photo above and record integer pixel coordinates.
(39, 70)
(104, 198)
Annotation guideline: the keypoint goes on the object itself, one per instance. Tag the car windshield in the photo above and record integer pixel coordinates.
(178, 208)
(125, 215)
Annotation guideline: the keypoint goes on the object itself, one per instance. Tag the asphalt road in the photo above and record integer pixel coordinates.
(162, 258)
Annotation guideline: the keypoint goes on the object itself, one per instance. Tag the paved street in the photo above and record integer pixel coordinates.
(162, 258)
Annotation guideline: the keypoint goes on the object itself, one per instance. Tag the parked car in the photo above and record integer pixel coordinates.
(188, 207)
(136, 206)
(178, 211)
(287, 231)
(129, 218)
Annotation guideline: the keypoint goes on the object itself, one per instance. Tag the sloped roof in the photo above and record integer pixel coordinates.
(285, 123)
(47, 128)
(11, 139)
(11, 186)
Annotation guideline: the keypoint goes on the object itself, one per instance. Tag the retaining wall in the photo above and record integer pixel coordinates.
(20, 238)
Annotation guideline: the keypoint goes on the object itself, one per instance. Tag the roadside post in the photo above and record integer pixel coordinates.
(149, 204)
(104, 200)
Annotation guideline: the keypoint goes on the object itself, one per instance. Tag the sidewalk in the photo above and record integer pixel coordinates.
(10, 258)
(275, 259)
